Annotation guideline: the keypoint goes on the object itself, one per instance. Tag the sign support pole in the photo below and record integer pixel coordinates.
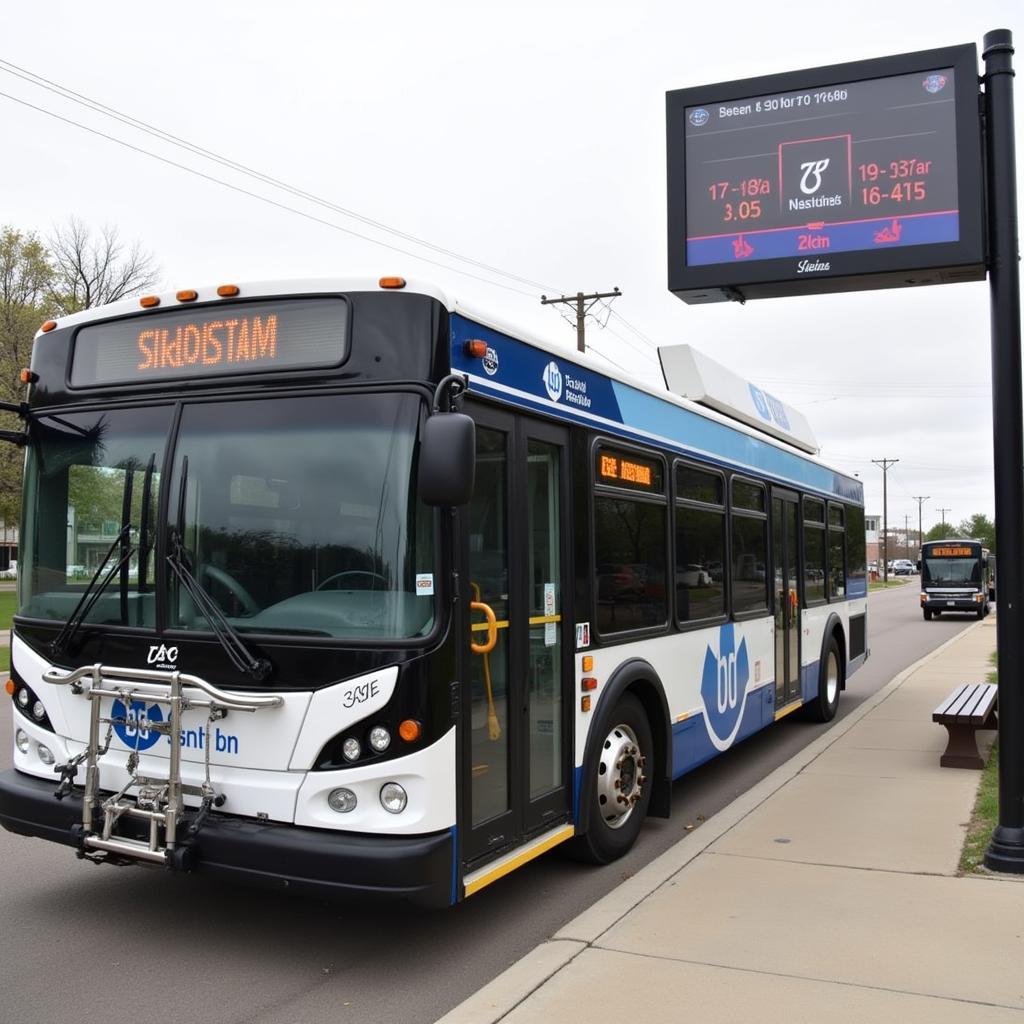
(1006, 849)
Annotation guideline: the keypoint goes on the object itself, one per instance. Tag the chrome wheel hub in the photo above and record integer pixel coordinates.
(832, 678)
(620, 777)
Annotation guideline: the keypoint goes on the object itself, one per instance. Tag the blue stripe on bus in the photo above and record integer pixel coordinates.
(521, 375)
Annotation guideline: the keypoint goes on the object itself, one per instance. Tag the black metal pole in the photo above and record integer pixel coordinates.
(1006, 849)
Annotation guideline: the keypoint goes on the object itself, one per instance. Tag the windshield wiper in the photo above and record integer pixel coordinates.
(93, 592)
(240, 656)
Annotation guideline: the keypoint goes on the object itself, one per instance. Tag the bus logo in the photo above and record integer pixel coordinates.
(935, 83)
(490, 362)
(723, 687)
(699, 117)
(810, 181)
(132, 723)
(161, 654)
(553, 381)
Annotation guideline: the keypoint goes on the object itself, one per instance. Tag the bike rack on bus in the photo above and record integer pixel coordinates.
(158, 801)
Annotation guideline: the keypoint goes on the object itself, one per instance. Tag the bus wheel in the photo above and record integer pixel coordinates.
(622, 788)
(830, 680)
(927, 615)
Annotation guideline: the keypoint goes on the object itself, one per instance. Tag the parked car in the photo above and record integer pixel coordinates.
(903, 567)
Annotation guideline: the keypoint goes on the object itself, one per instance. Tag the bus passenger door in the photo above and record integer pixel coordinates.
(515, 716)
(787, 597)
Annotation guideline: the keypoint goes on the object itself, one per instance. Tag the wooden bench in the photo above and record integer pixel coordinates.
(966, 710)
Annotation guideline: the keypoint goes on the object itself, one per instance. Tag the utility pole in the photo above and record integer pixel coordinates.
(583, 304)
(885, 464)
(920, 533)
(942, 512)
(906, 537)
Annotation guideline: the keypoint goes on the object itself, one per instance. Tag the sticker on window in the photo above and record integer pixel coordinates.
(424, 584)
(582, 635)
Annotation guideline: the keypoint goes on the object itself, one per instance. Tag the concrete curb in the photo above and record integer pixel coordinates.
(500, 996)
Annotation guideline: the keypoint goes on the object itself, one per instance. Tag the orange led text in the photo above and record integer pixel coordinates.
(213, 343)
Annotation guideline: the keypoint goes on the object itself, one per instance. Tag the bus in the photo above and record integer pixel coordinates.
(342, 587)
(957, 576)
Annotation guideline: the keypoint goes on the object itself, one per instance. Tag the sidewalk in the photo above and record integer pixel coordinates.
(827, 892)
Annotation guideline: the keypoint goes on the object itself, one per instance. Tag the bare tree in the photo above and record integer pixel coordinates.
(91, 270)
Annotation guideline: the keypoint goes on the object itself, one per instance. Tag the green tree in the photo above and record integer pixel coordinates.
(25, 280)
(940, 531)
(980, 527)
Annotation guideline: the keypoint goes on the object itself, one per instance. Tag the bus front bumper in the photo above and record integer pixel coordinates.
(308, 861)
(965, 603)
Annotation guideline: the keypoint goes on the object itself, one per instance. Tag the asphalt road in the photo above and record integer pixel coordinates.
(85, 942)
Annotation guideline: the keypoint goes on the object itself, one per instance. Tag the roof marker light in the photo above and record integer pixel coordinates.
(187, 295)
(392, 282)
(27, 376)
(149, 301)
(48, 326)
(475, 348)
(228, 291)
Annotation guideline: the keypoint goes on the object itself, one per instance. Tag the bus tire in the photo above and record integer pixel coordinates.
(830, 681)
(927, 615)
(622, 787)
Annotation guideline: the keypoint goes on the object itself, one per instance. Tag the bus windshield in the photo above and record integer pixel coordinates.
(92, 484)
(952, 572)
(299, 516)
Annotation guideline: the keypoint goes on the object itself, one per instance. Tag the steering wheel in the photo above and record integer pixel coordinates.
(353, 572)
(230, 584)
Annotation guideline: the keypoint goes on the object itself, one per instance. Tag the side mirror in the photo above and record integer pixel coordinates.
(447, 460)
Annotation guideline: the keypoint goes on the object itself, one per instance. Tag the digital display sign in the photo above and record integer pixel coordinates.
(206, 341)
(617, 469)
(949, 552)
(856, 176)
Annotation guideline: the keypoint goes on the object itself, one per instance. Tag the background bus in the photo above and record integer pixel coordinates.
(311, 654)
(956, 576)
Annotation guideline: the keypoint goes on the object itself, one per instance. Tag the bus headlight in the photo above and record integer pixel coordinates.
(21, 740)
(38, 711)
(45, 754)
(380, 738)
(23, 698)
(342, 800)
(393, 798)
(351, 749)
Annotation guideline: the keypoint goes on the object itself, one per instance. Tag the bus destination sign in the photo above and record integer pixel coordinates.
(206, 341)
(831, 179)
(951, 552)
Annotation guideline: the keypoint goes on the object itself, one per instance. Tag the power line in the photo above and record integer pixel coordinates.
(168, 137)
(133, 122)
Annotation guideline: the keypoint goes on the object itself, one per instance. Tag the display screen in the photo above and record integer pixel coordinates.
(951, 552)
(209, 341)
(865, 165)
(621, 470)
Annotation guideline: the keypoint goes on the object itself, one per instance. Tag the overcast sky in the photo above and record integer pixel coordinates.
(527, 136)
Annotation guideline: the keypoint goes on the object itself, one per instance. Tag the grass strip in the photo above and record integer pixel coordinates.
(985, 815)
(8, 606)
(984, 818)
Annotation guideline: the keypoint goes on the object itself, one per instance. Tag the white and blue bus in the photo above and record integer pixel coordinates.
(340, 587)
